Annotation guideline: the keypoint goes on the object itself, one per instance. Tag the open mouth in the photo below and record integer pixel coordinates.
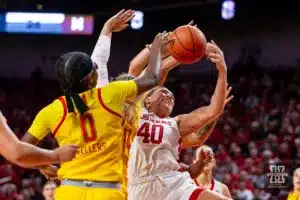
(167, 101)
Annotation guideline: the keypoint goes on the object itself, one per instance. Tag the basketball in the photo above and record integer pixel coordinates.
(188, 44)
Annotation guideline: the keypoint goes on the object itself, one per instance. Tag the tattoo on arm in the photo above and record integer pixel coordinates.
(206, 130)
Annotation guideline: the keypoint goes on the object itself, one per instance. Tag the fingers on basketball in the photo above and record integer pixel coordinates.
(191, 23)
(217, 48)
(214, 57)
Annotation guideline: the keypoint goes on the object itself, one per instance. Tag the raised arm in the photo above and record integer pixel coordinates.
(139, 62)
(101, 53)
(27, 155)
(200, 136)
(190, 123)
(150, 78)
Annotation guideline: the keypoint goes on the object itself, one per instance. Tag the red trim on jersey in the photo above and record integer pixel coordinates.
(62, 100)
(105, 107)
(84, 98)
(196, 193)
(179, 150)
(212, 184)
(196, 182)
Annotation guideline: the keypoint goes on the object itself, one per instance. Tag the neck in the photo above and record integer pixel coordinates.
(156, 112)
(205, 178)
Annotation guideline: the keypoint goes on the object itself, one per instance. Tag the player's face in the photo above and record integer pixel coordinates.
(163, 100)
(49, 190)
(296, 179)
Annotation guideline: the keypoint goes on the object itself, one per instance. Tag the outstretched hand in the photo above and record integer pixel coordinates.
(206, 158)
(119, 21)
(160, 40)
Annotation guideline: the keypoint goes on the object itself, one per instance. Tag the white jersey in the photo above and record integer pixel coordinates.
(216, 186)
(155, 148)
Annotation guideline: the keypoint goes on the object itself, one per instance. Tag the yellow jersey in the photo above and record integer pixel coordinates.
(99, 132)
(294, 196)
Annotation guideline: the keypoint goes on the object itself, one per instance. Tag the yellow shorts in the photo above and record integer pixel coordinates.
(79, 193)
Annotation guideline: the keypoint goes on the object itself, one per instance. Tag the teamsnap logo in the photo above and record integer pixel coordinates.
(278, 177)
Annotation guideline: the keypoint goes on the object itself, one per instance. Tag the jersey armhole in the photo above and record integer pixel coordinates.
(63, 102)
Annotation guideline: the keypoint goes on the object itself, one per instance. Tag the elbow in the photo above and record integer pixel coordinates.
(152, 80)
(136, 67)
(19, 156)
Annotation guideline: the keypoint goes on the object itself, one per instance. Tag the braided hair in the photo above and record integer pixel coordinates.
(71, 69)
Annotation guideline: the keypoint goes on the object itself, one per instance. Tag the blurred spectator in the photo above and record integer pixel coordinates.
(49, 189)
(243, 193)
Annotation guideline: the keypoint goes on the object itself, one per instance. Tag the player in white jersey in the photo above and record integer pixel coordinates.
(205, 179)
(154, 171)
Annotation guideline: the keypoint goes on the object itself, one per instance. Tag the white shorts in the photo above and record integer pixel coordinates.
(173, 185)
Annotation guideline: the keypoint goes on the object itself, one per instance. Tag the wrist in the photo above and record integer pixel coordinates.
(106, 30)
(222, 71)
(56, 156)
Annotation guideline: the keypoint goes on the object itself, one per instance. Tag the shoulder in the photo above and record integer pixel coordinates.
(225, 190)
(57, 107)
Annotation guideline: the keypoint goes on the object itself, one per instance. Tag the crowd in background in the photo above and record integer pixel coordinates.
(259, 127)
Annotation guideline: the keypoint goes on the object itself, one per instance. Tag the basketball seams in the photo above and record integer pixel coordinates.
(181, 56)
(183, 49)
(194, 48)
(181, 43)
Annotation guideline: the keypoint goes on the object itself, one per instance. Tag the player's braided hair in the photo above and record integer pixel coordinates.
(71, 69)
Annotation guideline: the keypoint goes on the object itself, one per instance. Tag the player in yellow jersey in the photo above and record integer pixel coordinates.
(26, 155)
(95, 124)
(295, 194)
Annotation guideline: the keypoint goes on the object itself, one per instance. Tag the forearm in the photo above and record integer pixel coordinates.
(152, 71)
(218, 99)
(28, 155)
(203, 134)
(100, 56)
(139, 62)
(168, 64)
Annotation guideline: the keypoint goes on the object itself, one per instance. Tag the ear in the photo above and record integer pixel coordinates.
(214, 162)
(147, 102)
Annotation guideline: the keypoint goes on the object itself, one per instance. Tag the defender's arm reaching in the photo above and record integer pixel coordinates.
(27, 155)
(101, 53)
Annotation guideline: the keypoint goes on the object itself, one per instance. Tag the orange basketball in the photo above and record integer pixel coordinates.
(188, 44)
